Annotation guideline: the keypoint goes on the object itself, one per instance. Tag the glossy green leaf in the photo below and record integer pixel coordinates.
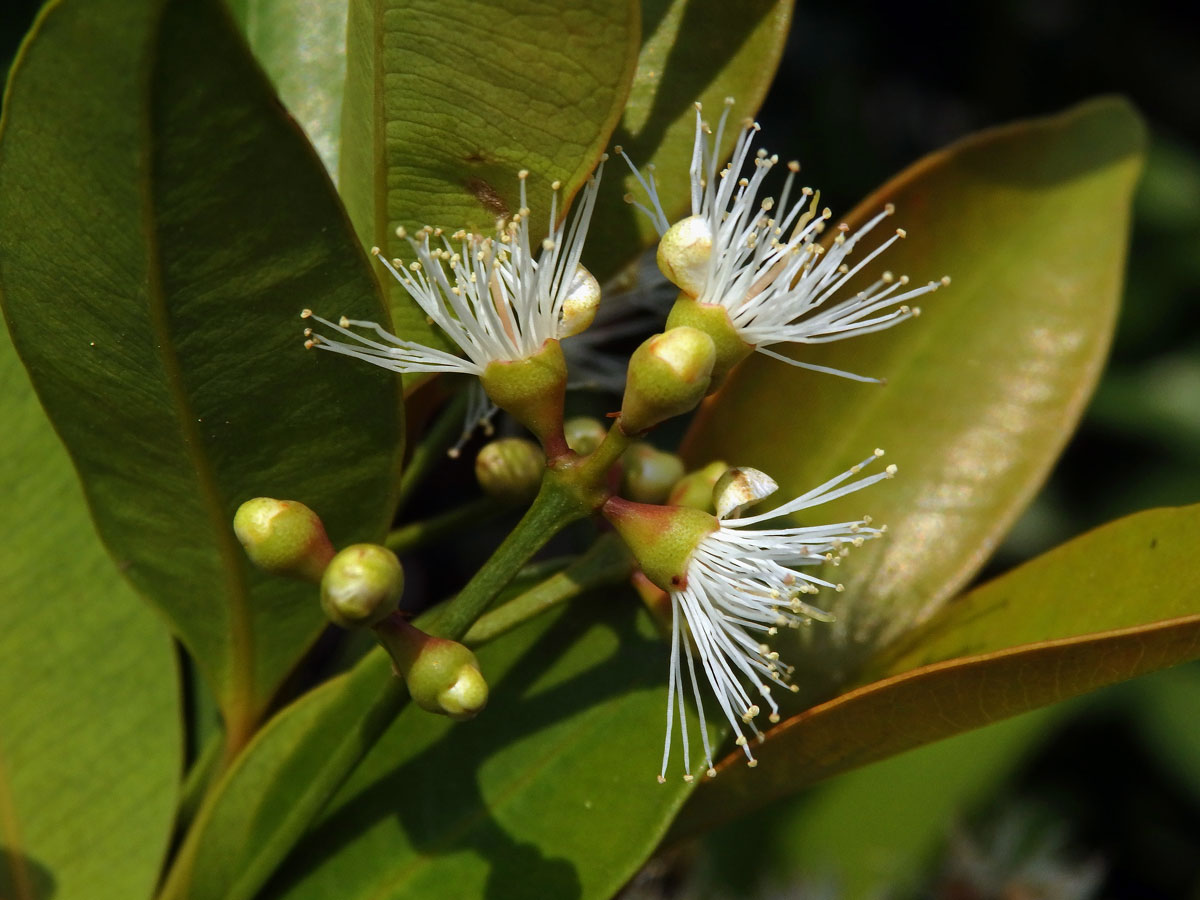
(550, 792)
(162, 223)
(446, 100)
(692, 51)
(302, 45)
(983, 390)
(1116, 603)
(878, 827)
(78, 789)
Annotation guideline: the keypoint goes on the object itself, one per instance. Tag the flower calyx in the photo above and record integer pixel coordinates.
(531, 390)
(662, 539)
(712, 319)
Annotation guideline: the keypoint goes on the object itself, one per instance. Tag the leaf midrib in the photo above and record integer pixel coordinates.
(236, 693)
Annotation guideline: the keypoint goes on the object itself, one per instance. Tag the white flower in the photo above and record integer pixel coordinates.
(742, 583)
(491, 296)
(776, 282)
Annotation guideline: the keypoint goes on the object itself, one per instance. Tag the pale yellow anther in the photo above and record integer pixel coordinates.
(306, 313)
(901, 233)
(556, 185)
(523, 174)
(344, 322)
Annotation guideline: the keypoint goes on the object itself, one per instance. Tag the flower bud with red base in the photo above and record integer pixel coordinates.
(442, 676)
(283, 537)
(668, 375)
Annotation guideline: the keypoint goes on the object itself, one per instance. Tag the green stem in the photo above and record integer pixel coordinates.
(553, 509)
(415, 534)
(433, 445)
(607, 562)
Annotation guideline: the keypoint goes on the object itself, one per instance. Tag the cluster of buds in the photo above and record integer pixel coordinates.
(360, 587)
(753, 274)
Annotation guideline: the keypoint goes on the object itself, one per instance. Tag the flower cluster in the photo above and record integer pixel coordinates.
(760, 261)
(493, 297)
(752, 274)
(741, 582)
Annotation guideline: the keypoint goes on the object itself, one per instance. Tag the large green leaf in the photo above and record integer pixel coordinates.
(878, 827)
(1116, 603)
(446, 100)
(90, 729)
(302, 46)
(162, 223)
(983, 390)
(550, 792)
(692, 51)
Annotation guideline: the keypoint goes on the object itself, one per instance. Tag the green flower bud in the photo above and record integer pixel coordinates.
(510, 469)
(584, 434)
(531, 390)
(713, 319)
(648, 474)
(668, 375)
(661, 538)
(362, 586)
(283, 537)
(684, 252)
(740, 488)
(443, 676)
(695, 489)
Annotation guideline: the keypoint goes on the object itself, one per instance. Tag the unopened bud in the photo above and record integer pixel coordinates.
(713, 319)
(684, 253)
(583, 434)
(443, 676)
(510, 469)
(283, 537)
(668, 375)
(740, 488)
(695, 489)
(362, 586)
(648, 474)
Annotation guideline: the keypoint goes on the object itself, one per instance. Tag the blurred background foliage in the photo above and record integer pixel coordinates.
(1098, 797)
